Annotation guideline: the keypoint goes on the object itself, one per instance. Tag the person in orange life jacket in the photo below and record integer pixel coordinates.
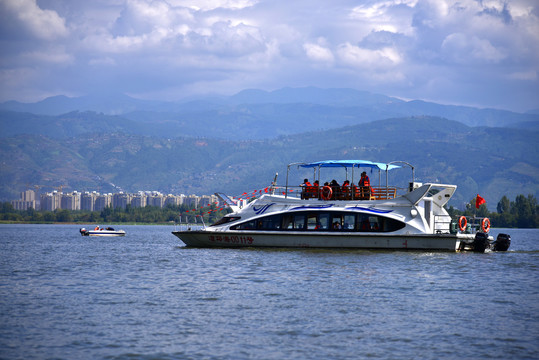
(345, 188)
(316, 189)
(365, 185)
(305, 187)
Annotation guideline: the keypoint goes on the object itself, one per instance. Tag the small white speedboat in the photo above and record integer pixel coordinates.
(97, 231)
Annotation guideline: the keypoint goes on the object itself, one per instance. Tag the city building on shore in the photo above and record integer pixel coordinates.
(51, 201)
(27, 201)
(94, 201)
(71, 201)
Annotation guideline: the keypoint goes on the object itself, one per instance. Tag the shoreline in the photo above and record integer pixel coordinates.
(10, 222)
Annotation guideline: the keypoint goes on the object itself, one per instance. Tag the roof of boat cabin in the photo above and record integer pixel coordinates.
(348, 164)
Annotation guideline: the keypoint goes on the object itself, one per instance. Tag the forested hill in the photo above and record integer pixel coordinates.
(490, 161)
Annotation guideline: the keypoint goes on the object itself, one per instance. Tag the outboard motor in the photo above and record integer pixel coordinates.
(480, 243)
(84, 232)
(502, 243)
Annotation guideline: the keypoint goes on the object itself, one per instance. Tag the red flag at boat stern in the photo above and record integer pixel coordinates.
(479, 201)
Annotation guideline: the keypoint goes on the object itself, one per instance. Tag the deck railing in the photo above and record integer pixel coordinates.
(383, 193)
(338, 193)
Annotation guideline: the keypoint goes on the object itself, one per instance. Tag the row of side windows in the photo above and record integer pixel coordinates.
(322, 221)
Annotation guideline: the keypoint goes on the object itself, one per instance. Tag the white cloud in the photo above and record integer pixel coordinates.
(54, 55)
(140, 17)
(368, 59)
(465, 49)
(206, 5)
(391, 46)
(318, 53)
(393, 16)
(43, 24)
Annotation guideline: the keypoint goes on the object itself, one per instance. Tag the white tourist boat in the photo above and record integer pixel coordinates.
(97, 231)
(383, 217)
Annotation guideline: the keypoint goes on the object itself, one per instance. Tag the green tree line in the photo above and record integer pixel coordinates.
(521, 213)
(148, 214)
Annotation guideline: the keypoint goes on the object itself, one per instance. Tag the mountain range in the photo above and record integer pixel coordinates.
(237, 143)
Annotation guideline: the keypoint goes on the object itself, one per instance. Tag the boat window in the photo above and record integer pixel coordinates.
(349, 222)
(373, 223)
(336, 221)
(363, 221)
(391, 225)
(376, 222)
(272, 222)
(225, 220)
(294, 221)
(323, 219)
(249, 225)
(287, 220)
(312, 222)
(299, 221)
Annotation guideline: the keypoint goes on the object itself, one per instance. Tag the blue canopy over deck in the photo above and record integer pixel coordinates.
(346, 164)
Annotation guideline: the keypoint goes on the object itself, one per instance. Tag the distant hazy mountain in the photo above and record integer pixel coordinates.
(261, 114)
(312, 95)
(111, 104)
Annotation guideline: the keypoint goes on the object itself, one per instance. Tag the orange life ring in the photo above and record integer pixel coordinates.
(485, 225)
(326, 193)
(463, 223)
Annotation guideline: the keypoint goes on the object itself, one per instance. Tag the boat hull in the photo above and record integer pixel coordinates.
(106, 233)
(438, 242)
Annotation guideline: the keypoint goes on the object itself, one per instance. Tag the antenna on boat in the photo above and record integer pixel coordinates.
(202, 218)
(273, 184)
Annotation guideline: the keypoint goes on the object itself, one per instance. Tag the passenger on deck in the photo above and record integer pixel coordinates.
(316, 189)
(355, 192)
(336, 188)
(304, 188)
(345, 189)
(365, 186)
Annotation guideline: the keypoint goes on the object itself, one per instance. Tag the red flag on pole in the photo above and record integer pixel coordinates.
(479, 201)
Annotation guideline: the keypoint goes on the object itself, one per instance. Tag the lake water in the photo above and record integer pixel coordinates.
(146, 296)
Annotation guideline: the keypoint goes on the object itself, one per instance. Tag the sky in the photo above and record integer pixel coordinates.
(467, 52)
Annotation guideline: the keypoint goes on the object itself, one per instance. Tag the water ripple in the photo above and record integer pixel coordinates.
(146, 297)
